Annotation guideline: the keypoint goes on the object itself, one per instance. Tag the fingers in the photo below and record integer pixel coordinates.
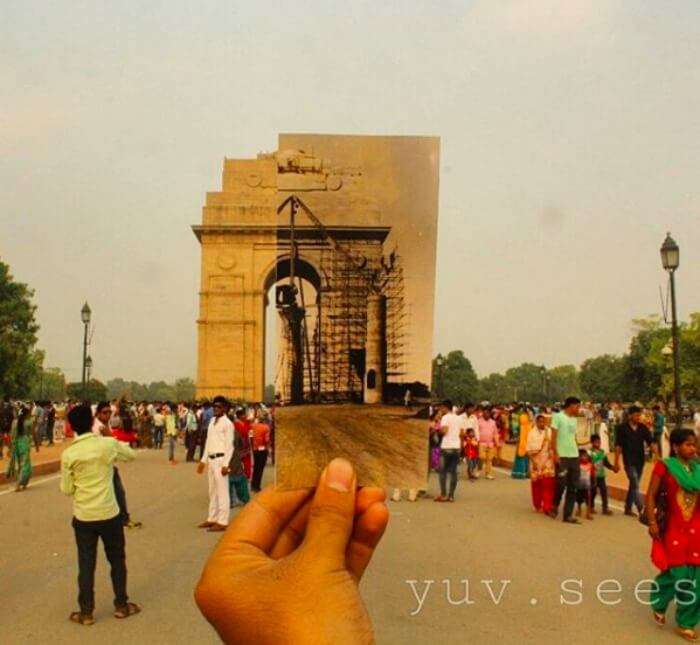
(262, 520)
(366, 497)
(331, 515)
(293, 533)
(369, 528)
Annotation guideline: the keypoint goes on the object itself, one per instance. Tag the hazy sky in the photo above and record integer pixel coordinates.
(570, 144)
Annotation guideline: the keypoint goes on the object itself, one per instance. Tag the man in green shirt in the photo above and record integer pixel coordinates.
(566, 457)
(86, 475)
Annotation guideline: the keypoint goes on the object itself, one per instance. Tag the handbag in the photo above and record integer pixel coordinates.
(661, 510)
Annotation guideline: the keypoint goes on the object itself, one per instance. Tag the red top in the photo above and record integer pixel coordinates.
(681, 541)
(242, 427)
(261, 436)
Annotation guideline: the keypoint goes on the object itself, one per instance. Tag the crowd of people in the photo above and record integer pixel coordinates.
(142, 425)
(564, 450)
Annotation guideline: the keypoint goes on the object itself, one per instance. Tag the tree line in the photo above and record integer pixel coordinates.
(644, 373)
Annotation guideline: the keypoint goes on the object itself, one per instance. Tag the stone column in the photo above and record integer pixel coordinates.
(375, 349)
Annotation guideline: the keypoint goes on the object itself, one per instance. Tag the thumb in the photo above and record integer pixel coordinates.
(332, 514)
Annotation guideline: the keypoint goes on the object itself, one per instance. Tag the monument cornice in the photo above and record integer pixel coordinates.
(374, 233)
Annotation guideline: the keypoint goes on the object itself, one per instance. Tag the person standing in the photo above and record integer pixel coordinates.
(566, 457)
(191, 426)
(659, 423)
(217, 456)
(237, 481)
(170, 424)
(86, 475)
(205, 416)
(7, 417)
(100, 428)
(260, 439)
(488, 442)
(630, 440)
(599, 457)
(452, 429)
(520, 463)
(242, 426)
(158, 427)
(542, 472)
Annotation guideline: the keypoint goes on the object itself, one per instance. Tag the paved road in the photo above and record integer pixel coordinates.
(488, 534)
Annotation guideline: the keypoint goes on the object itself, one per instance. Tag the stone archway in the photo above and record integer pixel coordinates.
(246, 247)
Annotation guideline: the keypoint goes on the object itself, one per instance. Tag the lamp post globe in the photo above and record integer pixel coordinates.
(670, 254)
(85, 314)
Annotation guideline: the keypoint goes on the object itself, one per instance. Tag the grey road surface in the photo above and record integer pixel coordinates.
(514, 563)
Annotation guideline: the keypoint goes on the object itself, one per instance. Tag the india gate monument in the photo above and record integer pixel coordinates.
(342, 230)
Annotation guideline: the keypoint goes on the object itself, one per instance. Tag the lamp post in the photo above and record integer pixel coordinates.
(670, 260)
(88, 368)
(439, 361)
(85, 314)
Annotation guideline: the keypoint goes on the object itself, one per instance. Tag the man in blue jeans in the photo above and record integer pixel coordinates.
(630, 439)
(452, 429)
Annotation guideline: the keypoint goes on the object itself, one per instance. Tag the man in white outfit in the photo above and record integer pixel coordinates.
(217, 455)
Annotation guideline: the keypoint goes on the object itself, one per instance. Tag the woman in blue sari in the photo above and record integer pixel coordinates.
(20, 460)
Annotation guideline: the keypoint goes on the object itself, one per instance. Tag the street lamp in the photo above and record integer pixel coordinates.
(85, 314)
(88, 368)
(670, 260)
(439, 361)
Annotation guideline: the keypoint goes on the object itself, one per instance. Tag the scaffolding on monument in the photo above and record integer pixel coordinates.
(334, 356)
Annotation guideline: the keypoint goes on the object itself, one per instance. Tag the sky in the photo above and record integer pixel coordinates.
(570, 145)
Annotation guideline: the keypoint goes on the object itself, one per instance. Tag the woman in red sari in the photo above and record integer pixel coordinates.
(675, 532)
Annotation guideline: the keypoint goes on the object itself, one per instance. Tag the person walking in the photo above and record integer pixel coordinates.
(630, 440)
(20, 465)
(452, 429)
(86, 475)
(216, 459)
(566, 457)
(675, 534)
(260, 440)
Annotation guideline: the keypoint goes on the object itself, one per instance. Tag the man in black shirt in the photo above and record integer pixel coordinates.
(630, 438)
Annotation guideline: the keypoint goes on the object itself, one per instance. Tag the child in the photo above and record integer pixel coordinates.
(600, 462)
(471, 454)
(585, 481)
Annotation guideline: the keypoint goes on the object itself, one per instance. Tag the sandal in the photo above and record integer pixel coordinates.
(659, 618)
(81, 618)
(687, 633)
(130, 609)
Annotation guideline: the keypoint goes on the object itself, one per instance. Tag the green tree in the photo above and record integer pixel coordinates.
(563, 381)
(602, 377)
(94, 391)
(495, 388)
(644, 368)
(49, 385)
(527, 382)
(184, 389)
(19, 361)
(456, 379)
(160, 391)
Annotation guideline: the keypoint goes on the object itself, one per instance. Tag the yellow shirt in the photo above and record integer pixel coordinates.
(86, 474)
